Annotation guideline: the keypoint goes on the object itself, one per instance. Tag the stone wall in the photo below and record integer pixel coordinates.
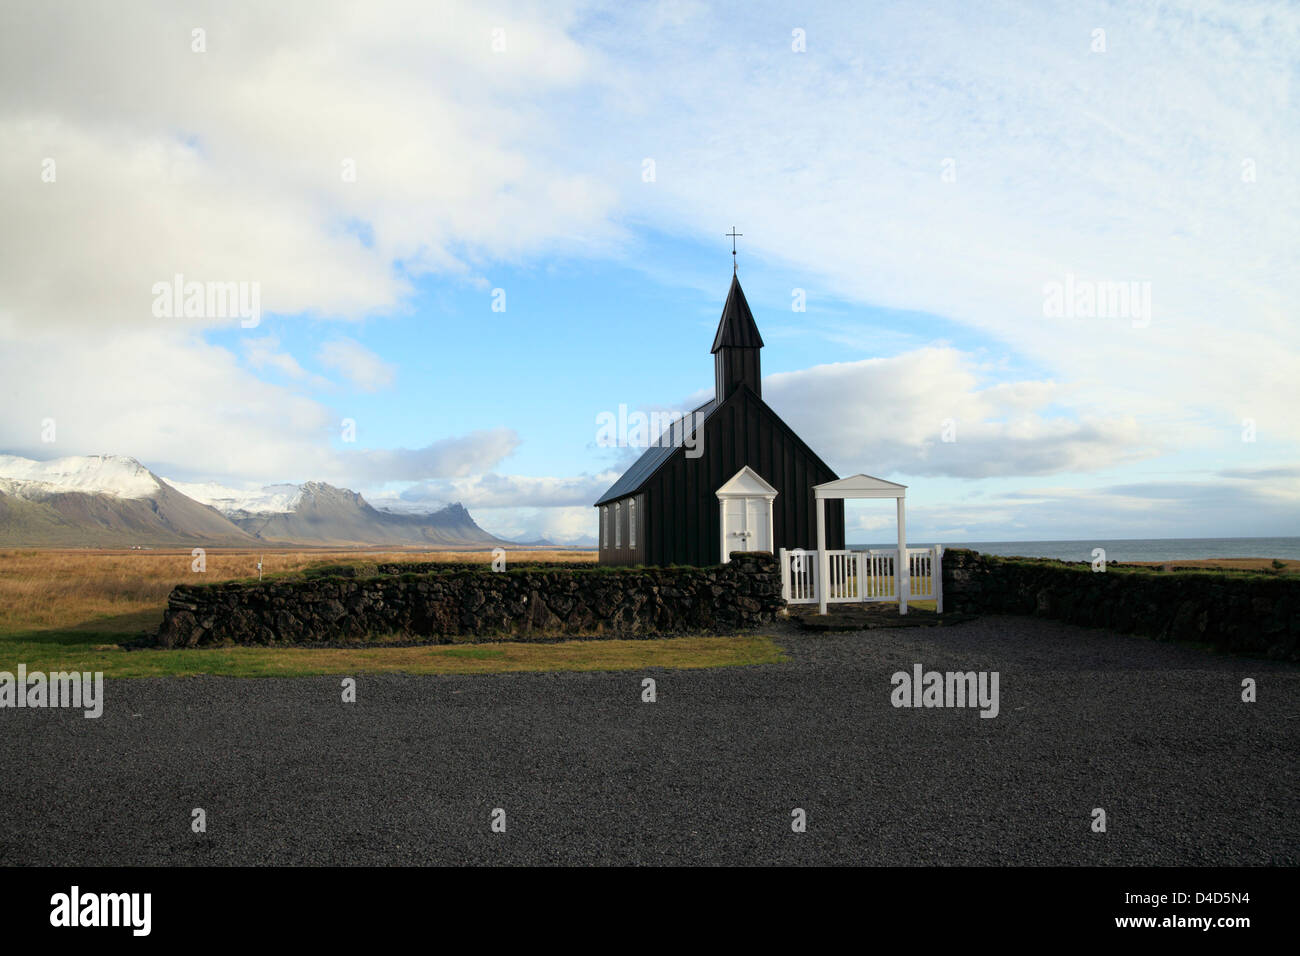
(467, 604)
(1243, 612)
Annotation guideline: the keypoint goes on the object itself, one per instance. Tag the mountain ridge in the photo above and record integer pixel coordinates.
(115, 501)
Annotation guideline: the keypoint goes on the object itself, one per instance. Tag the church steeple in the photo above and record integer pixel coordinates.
(735, 347)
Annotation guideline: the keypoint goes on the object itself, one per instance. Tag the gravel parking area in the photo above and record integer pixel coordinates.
(1155, 734)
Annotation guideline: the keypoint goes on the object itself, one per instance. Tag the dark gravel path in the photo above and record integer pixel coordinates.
(1155, 734)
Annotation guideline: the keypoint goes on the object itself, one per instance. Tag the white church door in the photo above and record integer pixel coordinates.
(743, 525)
(745, 513)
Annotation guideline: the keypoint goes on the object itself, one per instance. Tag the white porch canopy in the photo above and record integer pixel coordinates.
(860, 486)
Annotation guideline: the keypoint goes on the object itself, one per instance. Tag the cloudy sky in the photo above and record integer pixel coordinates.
(918, 176)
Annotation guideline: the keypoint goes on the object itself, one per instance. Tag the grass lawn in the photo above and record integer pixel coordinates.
(679, 652)
(65, 610)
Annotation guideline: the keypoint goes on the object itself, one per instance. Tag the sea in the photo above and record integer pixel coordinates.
(1126, 549)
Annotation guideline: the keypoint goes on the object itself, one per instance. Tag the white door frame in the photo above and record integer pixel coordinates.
(744, 484)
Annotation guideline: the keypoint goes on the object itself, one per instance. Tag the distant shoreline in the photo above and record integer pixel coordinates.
(1189, 551)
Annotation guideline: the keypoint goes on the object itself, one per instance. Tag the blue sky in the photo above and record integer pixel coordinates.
(922, 172)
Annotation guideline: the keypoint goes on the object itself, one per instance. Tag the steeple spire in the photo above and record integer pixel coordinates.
(736, 345)
(737, 328)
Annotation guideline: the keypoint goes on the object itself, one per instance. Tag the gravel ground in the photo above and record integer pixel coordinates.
(1155, 734)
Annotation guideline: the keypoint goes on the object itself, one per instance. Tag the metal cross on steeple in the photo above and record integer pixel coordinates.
(733, 234)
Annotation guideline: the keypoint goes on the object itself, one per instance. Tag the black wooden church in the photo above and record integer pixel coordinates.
(747, 484)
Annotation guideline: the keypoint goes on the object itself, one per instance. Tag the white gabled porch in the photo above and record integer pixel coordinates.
(876, 574)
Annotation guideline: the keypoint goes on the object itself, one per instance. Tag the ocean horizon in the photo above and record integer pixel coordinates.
(1126, 549)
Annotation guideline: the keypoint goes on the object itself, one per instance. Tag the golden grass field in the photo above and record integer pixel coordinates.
(66, 610)
(124, 592)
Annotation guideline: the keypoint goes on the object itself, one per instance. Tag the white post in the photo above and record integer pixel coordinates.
(722, 530)
(785, 576)
(936, 571)
(900, 567)
(822, 562)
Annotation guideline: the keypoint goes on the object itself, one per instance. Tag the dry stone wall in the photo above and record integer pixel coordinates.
(467, 604)
(1234, 611)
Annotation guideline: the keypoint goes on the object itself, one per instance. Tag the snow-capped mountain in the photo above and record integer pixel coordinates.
(114, 501)
(102, 501)
(88, 474)
(319, 513)
(269, 499)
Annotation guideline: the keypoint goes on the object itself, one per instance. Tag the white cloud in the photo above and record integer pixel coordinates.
(889, 416)
(471, 454)
(1148, 509)
(502, 491)
(562, 525)
(1116, 166)
(264, 352)
(362, 367)
(187, 408)
(228, 165)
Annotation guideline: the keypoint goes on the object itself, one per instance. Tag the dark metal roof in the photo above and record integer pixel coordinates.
(652, 459)
(737, 328)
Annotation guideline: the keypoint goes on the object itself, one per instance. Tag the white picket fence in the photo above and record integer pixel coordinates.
(869, 575)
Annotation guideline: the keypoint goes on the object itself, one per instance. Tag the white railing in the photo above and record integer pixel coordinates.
(880, 574)
(854, 576)
(922, 564)
(799, 576)
(842, 578)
